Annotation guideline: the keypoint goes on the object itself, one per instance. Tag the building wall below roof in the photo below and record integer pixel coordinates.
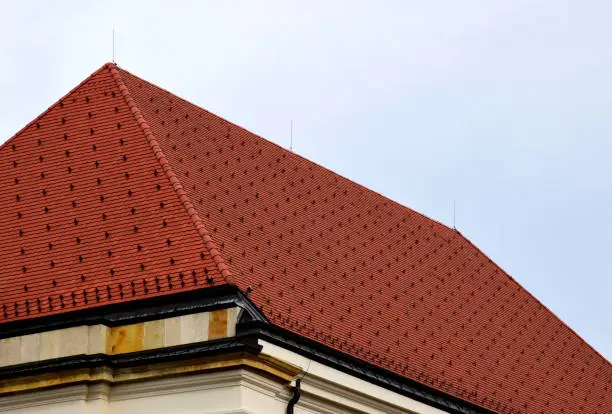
(327, 383)
(101, 339)
(236, 383)
(231, 391)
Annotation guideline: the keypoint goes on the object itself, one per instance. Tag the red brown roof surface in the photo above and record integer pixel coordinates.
(122, 190)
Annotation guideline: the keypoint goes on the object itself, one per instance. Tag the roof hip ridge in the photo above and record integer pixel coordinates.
(172, 177)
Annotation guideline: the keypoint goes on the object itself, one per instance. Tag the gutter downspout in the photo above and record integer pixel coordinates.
(296, 396)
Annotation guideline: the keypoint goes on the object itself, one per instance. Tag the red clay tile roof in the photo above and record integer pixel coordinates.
(90, 216)
(325, 257)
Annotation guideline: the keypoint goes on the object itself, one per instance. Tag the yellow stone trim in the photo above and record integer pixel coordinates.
(124, 339)
(153, 335)
(269, 365)
(217, 325)
(54, 379)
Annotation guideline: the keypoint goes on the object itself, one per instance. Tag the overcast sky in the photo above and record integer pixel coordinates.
(503, 106)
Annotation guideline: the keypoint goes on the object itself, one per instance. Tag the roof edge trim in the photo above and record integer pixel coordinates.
(176, 184)
(141, 310)
(423, 391)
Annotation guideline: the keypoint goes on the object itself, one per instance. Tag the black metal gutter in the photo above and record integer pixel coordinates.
(359, 368)
(295, 397)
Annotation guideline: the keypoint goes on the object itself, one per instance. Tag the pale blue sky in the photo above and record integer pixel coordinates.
(505, 107)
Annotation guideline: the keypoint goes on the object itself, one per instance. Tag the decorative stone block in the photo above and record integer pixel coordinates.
(153, 334)
(73, 341)
(100, 339)
(123, 339)
(194, 328)
(50, 344)
(172, 331)
(10, 352)
(232, 320)
(30, 348)
(217, 326)
(96, 343)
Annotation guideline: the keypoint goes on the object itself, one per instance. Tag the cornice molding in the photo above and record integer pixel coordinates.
(194, 301)
(318, 391)
(356, 367)
(246, 345)
(191, 383)
(58, 395)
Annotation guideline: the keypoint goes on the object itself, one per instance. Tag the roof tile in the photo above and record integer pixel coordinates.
(107, 187)
(342, 265)
(88, 219)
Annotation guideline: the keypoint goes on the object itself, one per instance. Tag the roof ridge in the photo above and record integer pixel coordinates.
(363, 187)
(172, 177)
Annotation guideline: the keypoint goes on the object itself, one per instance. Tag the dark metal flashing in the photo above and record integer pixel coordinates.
(201, 300)
(252, 312)
(244, 344)
(359, 368)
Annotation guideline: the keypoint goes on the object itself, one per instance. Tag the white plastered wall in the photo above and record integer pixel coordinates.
(232, 391)
(322, 385)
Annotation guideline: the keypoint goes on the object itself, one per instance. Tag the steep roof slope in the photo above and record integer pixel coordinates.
(89, 215)
(325, 257)
(336, 262)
